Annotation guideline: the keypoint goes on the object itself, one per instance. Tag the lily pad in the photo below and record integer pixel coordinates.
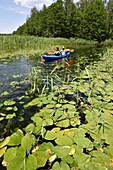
(26, 142)
(61, 151)
(81, 141)
(5, 142)
(31, 163)
(42, 158)
(9, 102)
(50, 135)
(2, 151)
(15, 138)
(64, 141)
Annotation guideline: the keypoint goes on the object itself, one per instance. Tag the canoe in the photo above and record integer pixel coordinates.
(54, 57)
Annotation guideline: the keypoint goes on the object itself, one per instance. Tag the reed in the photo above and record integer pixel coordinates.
(13, 45)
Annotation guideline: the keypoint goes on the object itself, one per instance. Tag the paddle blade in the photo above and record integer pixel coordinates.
(42, 60)
(50, 53)
(69, 50)
(72, 50)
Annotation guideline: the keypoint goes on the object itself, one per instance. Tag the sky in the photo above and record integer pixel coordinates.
(13, 13)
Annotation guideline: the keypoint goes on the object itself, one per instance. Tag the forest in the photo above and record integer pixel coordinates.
(87, 19)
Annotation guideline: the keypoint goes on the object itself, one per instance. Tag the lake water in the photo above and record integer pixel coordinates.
(14, 85)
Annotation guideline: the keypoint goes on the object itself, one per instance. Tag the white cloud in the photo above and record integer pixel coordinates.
(31, 3)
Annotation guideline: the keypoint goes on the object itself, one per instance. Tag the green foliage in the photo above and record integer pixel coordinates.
(68, 131)
(85, 19)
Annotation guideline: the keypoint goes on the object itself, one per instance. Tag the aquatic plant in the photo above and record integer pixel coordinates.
(72, 126)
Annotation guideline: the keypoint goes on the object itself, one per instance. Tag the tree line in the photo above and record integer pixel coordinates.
(88, 19)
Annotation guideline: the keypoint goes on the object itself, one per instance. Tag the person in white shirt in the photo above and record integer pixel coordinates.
(63, 51)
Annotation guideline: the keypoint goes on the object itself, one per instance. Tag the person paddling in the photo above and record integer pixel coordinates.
(63, 51)
(57, 52)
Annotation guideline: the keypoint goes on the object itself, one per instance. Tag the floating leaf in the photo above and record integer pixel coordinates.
(2, 151)
(61, 151)
(21, 119)
(63, 123)
(64, 166)
(55, 166)
(94, 165)
(9, 108)
(42, 158)
(2, 114)
(10, 154)
(14, 83)
(34, 102)
(45, 146)
(2, 118)
(1, 105)
(5, 142)
(50, 135)
(10, 116)
(15, 138)
(31, 163)
(80, 158)
(15, 108)
(26, 142)
(9, 102)
(68, 159)
(49, 121)
(30, 128)
(81, 141)
(64, 141)
(5, 93)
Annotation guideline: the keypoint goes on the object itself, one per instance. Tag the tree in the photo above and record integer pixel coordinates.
(110, 18)
(95, 22)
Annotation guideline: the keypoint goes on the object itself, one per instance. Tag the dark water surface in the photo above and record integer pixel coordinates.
(14, 75)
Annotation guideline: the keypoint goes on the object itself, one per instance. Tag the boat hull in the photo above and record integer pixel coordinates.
(54, 57)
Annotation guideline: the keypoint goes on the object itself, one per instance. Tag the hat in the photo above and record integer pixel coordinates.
(63, 47)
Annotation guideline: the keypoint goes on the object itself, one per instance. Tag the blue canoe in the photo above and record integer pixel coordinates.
(54, 57)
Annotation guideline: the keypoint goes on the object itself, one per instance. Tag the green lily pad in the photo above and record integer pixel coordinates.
(9, 102)
(64, 141)
(2, 114)
(26, 142)
(31, 163)
(9, 108)
(48, 121)
(55, 166)
(10, 116)
(15, 108)
(94, 165)
(30, 128)
(15, 138)
(2, 151)
(10, 154)
(44, 146)
(81, 141)
(42, 158)
(5, 93)
(61, 151)
(34, 102)
(63, 123)
(68, 159)
(5, 142)
(80, 158)
(2, 118)
(50, 135)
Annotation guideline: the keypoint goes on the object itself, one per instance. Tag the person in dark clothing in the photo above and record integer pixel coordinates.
(57, 52)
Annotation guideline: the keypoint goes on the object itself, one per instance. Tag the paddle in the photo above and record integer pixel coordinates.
(65, 50)
(50, 53)
(69, 50)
